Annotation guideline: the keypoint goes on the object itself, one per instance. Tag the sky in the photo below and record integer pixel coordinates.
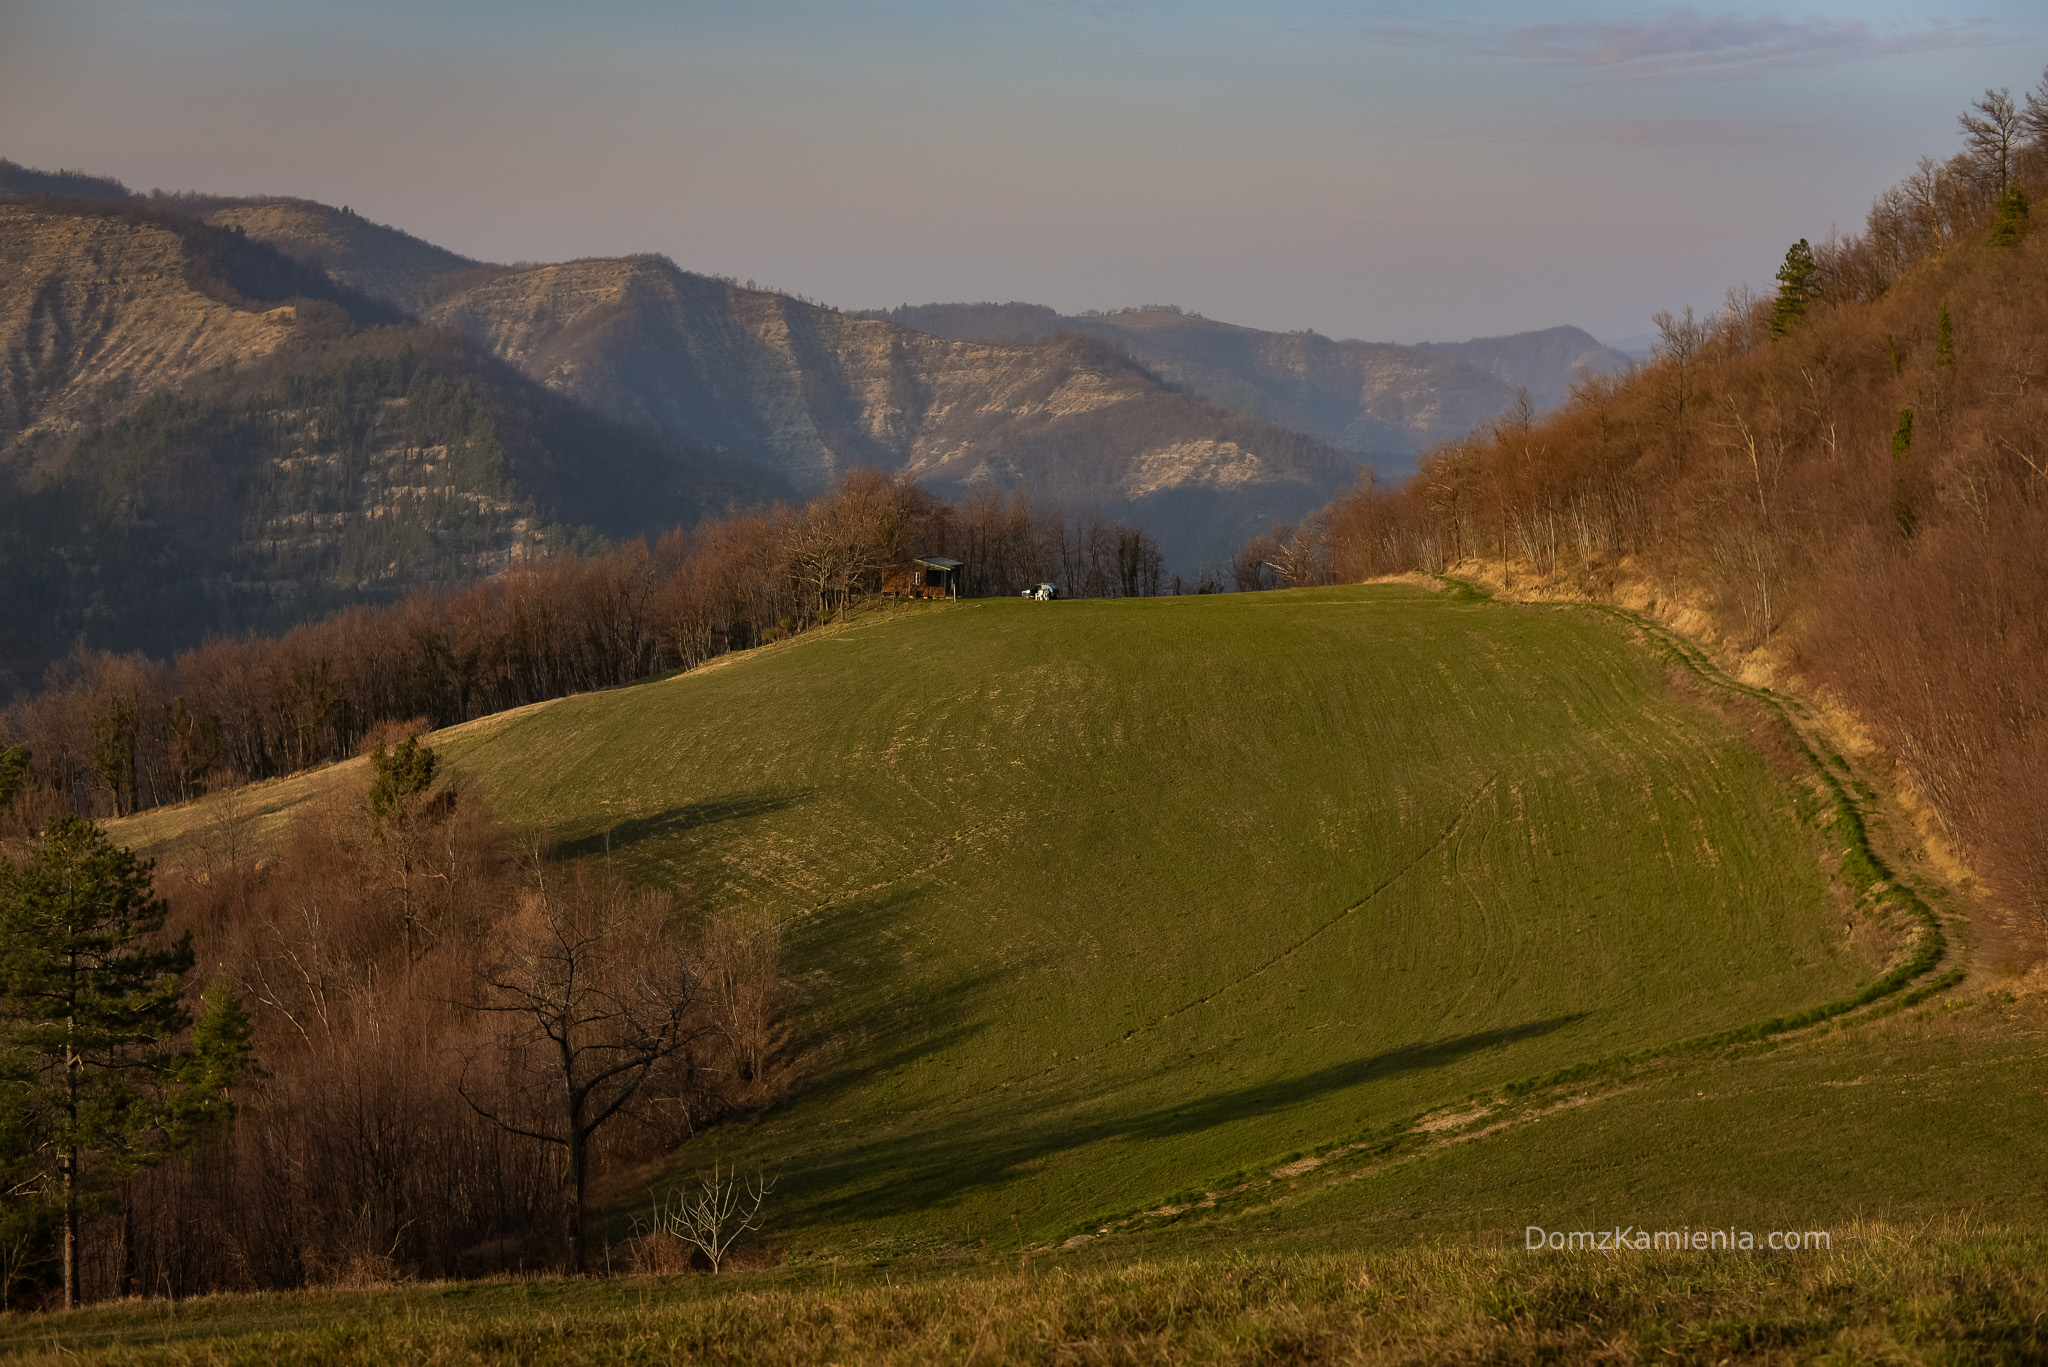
(1394, 172)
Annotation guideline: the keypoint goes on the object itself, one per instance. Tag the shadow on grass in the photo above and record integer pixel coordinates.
(886, 1018)
(1266, 1097)
(679, 821)
(901, 1175)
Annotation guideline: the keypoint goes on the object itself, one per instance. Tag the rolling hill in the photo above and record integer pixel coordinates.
(1105, 908)
(1236, 978)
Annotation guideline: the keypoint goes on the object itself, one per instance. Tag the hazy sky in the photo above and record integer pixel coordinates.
(1393, 172)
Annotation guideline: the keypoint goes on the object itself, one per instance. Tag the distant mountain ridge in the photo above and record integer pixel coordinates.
(1381, 401)
(228, 391)
(796, 392)
(199, 434)
(381, 262)
(23, 182)
(223, 415)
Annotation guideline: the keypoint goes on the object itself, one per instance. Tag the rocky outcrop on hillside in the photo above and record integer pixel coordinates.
(800, 393)
(193, 440)
(1377, 400)
(792, 393)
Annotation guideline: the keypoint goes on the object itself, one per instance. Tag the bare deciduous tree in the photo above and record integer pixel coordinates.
(1993, 129)
(595, 990)
(839, 540)
(724, 1207)
(742, 976)
(1300, 555)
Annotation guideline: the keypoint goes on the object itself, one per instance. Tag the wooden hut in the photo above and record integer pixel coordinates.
(928, 576)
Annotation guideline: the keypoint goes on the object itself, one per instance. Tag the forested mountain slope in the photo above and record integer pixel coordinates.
(199, 434)
(97, 310)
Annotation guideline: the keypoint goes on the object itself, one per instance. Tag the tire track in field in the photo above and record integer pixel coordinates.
(951, 848)
(1295, 948)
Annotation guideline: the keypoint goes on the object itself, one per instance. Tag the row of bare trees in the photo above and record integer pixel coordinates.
(1865, 496)
(112, 734)
(2005, 142)
(451, 1032)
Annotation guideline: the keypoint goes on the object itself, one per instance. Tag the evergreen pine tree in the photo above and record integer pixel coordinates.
(1944, 339)
(15, 774)
(403, 771)
(2011, 223)
(1798, 288)
(92, 1014)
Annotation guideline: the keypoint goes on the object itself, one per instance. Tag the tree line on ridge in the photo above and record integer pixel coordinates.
(110, 734)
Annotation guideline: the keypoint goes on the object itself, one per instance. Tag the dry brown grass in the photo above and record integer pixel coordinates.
(1883, 1294)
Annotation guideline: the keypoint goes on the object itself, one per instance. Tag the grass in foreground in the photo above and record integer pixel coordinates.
(1882, 1295)
(1094, 906)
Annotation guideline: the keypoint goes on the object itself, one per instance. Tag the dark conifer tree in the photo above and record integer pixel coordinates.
(15, 774)
(93, 1027)
(403, 771)
(1798, 288)
(2011, 224)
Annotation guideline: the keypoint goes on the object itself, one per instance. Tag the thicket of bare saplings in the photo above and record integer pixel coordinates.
(401, 1120)
(111, 734)
(1852, 474)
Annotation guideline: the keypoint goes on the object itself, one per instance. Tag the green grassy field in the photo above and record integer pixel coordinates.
(1259, 955)
(1095, 903)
